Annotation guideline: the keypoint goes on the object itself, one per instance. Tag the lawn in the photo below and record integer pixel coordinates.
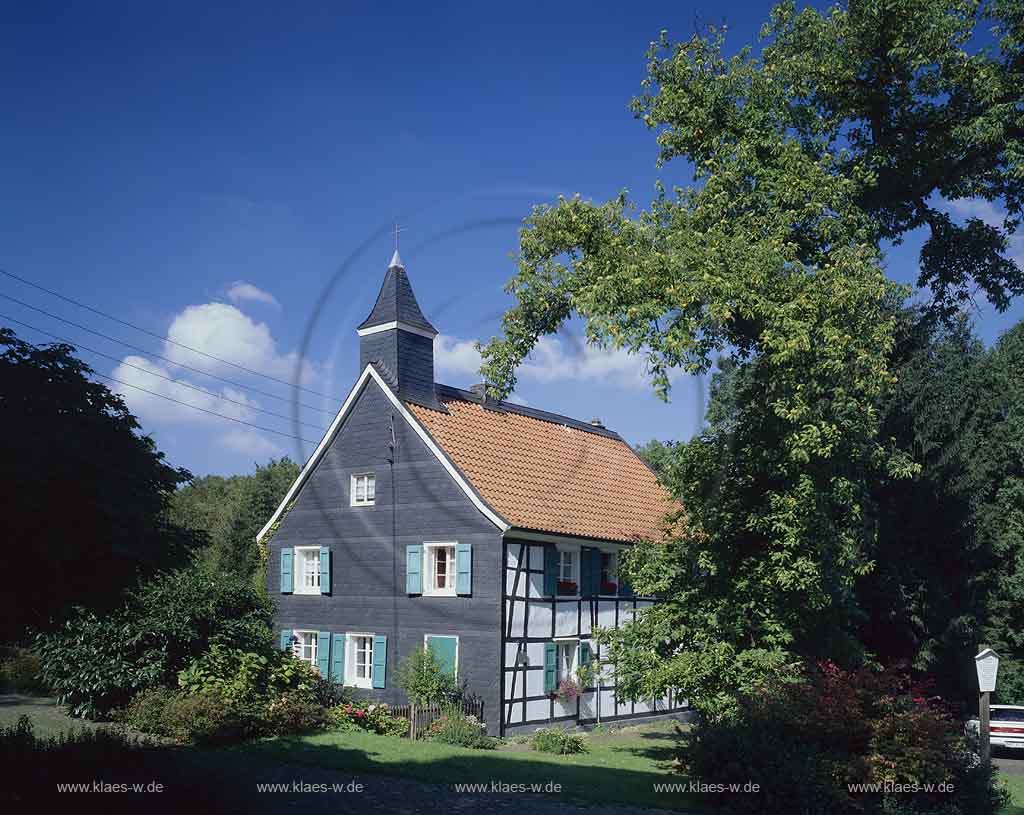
(48, 719)
(620, 766)
(1016, 785)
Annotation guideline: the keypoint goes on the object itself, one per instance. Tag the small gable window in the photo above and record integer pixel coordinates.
(364, 490)
(307, 575)
(440, 562)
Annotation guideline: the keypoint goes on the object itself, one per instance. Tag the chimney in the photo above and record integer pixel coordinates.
(398, 340)
(597, 423)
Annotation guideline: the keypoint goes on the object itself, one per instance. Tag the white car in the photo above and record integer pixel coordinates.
(1006, 726)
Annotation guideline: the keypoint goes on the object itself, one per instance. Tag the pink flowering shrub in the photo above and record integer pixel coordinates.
(374, 717)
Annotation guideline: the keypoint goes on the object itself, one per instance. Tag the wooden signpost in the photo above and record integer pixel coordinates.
(986, 663)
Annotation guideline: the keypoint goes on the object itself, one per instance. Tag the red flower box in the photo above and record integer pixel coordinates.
(567, 587)
(608, 588)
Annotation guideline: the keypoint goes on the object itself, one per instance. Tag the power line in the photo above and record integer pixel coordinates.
(161, 337)
(204, 410)
(78, 345)
(158, 356)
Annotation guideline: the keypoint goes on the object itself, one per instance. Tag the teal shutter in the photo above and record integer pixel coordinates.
(595, 572)
(325, 571)
(286, 639)
(550, 570)
(380, 661)
(323, 652)
(445, 650)
(590, 572)
(413, 568)
(585, 655)
(463, 568)
(550, 666)
(287, 580)
(625, 590)
(338, 659)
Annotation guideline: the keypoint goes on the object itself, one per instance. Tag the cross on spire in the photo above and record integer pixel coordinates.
(395, 232)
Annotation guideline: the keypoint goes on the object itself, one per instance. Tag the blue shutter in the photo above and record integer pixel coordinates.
(286, 639)
(323, 652)
(287, 580)
(325, 571)
(550, 570)
(550, 667)
(463, 568)
(445, 650)
(380, 661)
(338, 659)
(413, 568)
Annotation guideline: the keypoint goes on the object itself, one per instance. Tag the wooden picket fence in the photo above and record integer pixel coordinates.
(420, 717)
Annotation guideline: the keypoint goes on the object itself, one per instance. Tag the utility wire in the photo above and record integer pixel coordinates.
(204, 410)
(79, 346)
(157, 356)
(160, 337)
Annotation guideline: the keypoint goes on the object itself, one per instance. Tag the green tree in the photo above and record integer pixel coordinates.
(807, 158)
(85, 508)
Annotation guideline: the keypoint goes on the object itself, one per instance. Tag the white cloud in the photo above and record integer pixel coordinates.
(223, 331)
(240, 291)
(251, 443)
(149, 396)
(553, 359)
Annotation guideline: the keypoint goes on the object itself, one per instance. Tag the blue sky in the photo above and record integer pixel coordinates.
(206, 173)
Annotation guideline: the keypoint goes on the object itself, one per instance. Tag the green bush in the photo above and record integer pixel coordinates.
(245, 677)
(19, 672)
(204, 718)
(557, 741)
(328, 693)
(424, 681)
(145, 712)
(294, 712)
(804, 741)
(96, 664)
(375, 718)
(455, 727)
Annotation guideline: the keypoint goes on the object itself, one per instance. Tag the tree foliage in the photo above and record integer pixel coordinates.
(86, 493)
(838, 136)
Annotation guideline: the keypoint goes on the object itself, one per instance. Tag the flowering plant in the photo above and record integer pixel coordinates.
(568, 690)
(376, 718)
(566, 586)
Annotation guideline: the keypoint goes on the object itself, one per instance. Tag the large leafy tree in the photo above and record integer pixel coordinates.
(85, 492)
(807, 157)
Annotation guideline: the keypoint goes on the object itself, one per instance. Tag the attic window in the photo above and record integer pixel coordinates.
(364, 490)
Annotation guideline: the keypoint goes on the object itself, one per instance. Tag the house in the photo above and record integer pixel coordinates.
(490, 532)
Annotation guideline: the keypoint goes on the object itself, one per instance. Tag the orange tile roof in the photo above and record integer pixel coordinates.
(548, 475)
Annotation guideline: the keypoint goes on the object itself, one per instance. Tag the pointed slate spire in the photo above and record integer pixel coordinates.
(398, 340)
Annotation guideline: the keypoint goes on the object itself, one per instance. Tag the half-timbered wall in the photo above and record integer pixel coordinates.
(530, 619)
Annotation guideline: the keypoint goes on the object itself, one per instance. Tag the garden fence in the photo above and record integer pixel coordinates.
(421, 717)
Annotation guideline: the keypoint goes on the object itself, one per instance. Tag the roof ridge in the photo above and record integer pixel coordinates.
(529, 412)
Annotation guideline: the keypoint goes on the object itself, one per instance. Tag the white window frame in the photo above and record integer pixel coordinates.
(429, 565)
(426, 643)
(299, 571)
(561, 646)
(613, 576)
(576, 553)
(351, 638)
(298, 645)
(364, 502)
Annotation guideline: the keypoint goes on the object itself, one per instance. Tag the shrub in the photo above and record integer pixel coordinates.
(375, 718)
(294, 712)
(328, 693)
(803, 741)
(145, 712)
(557, 741)
(245, 677)
(95, 664)
(424, 681)
(455, 727)
(19, 672)
(203, 718)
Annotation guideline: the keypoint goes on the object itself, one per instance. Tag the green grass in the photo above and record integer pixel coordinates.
(619, 767)
(48, 719)
(1015, 783)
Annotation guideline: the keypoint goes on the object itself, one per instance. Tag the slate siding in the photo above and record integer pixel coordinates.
(368, 558)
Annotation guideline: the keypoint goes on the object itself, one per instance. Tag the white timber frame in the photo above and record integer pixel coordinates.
(530, 619)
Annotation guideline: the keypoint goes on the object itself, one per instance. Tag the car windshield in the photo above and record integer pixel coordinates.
(1007, 715)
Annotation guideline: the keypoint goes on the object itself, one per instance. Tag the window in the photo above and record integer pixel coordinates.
(364, 490)
(360, 663)
(566, 661)
(439, 568)
(609, 573)
(307, 571)
(568, 571)
(304, 646)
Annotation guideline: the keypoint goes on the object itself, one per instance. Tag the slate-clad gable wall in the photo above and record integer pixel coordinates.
(408, 360)
(368, 561)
